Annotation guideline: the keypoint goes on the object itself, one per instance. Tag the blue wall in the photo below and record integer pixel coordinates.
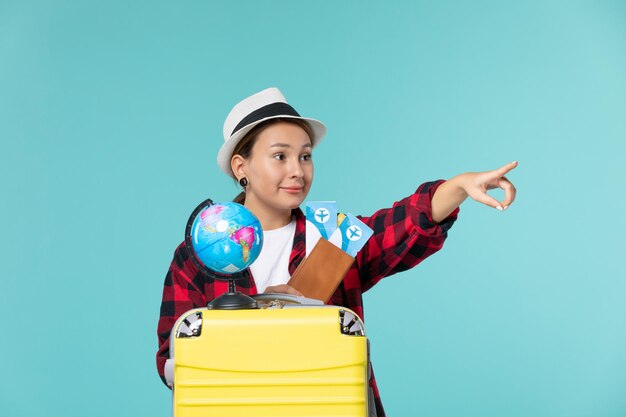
(110, 120)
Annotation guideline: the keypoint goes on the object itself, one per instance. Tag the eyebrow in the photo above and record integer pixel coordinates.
(286, 145)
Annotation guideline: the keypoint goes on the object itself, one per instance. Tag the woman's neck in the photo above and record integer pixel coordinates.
(270, 219)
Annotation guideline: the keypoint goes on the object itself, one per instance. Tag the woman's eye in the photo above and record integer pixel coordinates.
(306, 157)
(279, 156)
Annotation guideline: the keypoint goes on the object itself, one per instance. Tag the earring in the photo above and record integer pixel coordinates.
(243, 182)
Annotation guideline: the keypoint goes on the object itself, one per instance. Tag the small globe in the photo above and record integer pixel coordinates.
(226, 237)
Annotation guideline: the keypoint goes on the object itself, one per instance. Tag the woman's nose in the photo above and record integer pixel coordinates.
(295, 170)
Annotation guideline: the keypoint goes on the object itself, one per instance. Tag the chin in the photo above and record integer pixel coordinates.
(294, 202)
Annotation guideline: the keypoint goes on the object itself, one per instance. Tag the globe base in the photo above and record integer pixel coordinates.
(233, 301)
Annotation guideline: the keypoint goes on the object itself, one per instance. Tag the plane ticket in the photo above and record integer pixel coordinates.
(321, 222)
(351, 235)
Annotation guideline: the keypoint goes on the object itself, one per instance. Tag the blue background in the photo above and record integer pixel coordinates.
(110, 119)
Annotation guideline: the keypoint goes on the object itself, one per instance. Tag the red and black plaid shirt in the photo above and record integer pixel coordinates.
(404, 235)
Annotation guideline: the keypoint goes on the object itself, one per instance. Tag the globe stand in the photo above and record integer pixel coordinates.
(233, 300)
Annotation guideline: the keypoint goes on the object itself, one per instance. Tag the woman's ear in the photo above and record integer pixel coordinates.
(238, 165)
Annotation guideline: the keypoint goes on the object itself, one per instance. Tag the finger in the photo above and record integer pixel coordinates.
(293, 291)
(274, 289)
(502, 171)
(285, 289)
(487, 200)
(509, 192)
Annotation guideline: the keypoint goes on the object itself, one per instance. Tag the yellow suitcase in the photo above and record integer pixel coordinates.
(285, 359)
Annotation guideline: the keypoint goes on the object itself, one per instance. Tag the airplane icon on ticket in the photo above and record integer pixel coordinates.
(322, 215)
(355, 233)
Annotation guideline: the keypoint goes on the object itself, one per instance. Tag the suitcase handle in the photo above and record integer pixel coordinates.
(169, 372)
(287, 298)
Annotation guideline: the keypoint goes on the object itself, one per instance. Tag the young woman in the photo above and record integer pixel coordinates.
(267, 150)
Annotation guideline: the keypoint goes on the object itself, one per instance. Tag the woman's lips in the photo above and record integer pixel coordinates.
(293, 190)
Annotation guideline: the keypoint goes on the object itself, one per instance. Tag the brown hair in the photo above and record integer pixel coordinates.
(244, 147)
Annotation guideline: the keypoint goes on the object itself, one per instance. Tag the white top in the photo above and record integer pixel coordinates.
(272, 266)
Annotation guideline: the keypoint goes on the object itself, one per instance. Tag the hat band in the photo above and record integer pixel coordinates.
(270, 110)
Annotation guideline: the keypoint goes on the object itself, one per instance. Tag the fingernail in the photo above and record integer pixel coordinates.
(499, 208)
(514, 162)
(506, 207)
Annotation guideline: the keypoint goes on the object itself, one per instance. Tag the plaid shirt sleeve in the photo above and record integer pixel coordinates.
(182, 291)
(404, 235)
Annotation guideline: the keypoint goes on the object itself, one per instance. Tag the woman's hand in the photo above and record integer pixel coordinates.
(283, 289)
(475, 185)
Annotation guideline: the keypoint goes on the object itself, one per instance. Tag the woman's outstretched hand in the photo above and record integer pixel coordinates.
(474, 185)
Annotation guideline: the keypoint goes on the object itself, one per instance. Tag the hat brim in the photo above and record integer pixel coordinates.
(226, 151)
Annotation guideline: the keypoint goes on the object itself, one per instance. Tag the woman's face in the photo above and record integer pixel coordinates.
(280, 168)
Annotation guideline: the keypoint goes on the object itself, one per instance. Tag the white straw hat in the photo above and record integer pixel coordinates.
(265, 105)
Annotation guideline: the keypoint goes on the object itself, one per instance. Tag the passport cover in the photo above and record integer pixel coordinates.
(319, 274)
